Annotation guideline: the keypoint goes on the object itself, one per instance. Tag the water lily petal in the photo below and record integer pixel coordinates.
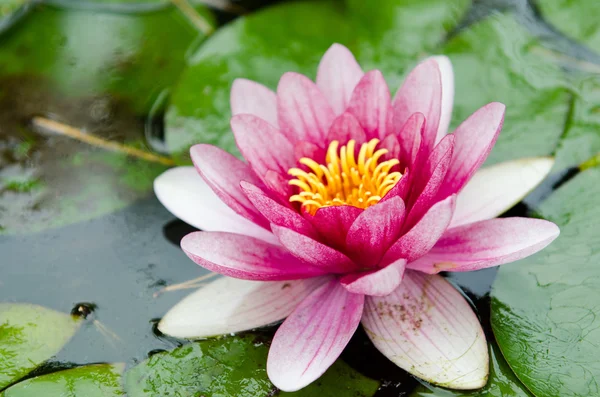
(447, 76)
(394, 149)
(371, 104)
(238, 256)
(304, 112)
(374, 231)
(423, 236)
(262, 145)
(495, 189)
(475, 138)
(422, 93)
(187, 196)
(253, 98)
(427, 328)
(411, 134)
(378, 282)
(277, 213)
(229, 305)
(313, 252)
(487, 243)
(337, 76)
(333, 223)
(223, 173)
(313, 336)
(346, 127)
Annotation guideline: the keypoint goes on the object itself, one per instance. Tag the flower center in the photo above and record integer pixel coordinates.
(345, 179)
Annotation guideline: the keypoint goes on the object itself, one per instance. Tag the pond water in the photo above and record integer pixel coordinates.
(114, 267)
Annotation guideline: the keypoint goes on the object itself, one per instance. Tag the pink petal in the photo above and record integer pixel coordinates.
(487, 243)
(378, 282)
(244, 257)
(333, 222)
(304, 113)
(248, 97)
(411, 137)
(392, 144)
(262, 145)
(423, 236)
(432, 178)
(401, 189)
(278, 185)
(447, 76)
(228, 305)
(427, 328)
(493, 190)
(185, 194)
(309, 150)
(344, 128)
(337, 76)
(374, 231)
(421, 93)
(371, 105)
(475, 138)
(313, 336)
(223, 173)
(313, 252)
(277, 213)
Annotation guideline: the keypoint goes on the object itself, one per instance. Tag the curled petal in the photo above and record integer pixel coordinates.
(253, 98)
(447, 77)
(313, 336)
(337, 76)
(229, 305)
(187, 196)
(378, 282)
(245, 257)
(304, 113)
(333, 223)
(427, 328)
(493, 190)
(487, 243)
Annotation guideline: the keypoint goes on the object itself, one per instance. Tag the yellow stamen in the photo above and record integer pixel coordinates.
(345, 179)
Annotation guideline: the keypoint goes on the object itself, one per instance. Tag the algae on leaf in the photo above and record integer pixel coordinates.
(546, 308)
(97, 380)
(30, 335)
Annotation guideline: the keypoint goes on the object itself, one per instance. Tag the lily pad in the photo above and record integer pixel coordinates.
(100, 380)
(581, 140)
(545, 309)
(494, 60)
(502, 382)
(577, 19)
(233, 366)
(30, 335)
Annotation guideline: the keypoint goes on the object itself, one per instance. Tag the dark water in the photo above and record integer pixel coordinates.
(116, 264)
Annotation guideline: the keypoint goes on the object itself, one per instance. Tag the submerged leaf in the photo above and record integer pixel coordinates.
(30, 335)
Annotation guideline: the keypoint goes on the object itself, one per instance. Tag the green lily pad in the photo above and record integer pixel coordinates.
(545, 309)
(260, 47)
(100, 380)
(494, 60)
(30, 335)
(502, 382)
(578, 19)
(581, 140)
(233, 366)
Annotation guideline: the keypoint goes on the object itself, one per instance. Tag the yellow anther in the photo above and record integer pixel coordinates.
(345, 178)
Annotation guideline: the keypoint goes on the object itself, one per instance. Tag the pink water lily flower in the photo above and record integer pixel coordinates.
(348, 205)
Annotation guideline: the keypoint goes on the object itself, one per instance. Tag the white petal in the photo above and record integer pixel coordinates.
(187, 196)
(447, 75)
(230, 305)
(427, 328)
(493, 190)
